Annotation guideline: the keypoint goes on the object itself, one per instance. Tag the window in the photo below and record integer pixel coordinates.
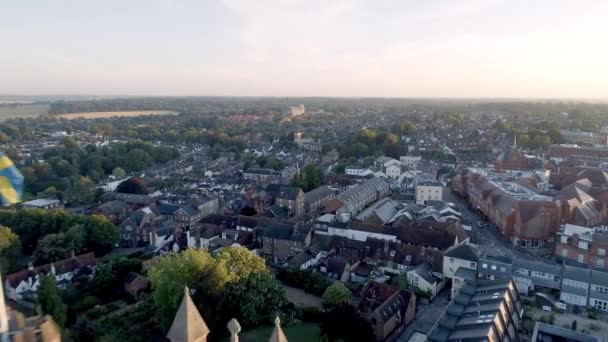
(601, 289)
(601, 305)
(493, 267)
(599, 263)
(473, 264)
(503, 269)
(484, 265)
(601, 251)
(564, 253)
(581, 258)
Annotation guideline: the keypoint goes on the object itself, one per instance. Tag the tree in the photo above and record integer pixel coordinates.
(233, 264)
(119, 172)
(133, 185)
(52, 247)
(336, 293)
(253, 300)
(49, 300)
(10, 250)
(100, 234)
(170, 274)
(82, 191)
(344, 322)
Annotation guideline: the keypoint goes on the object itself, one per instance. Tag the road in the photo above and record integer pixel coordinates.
(488, 238)
(426, 316)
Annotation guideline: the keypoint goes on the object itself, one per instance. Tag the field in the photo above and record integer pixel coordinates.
(105, 115)
(23, 111)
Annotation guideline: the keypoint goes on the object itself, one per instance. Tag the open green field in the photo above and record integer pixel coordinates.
(299, 332)
(23, 111)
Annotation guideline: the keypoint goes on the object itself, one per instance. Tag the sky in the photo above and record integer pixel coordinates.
(350, 48)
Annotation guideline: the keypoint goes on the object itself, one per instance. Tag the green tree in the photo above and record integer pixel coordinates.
(336, 293)
(233, 264)
(49, 300)
(52, 247)
(253, 300)
(170, 274)
(119, 172)
(10, 250)
(100, 234)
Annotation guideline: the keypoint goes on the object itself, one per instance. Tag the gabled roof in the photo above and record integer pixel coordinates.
(188, 325)
(463, 252)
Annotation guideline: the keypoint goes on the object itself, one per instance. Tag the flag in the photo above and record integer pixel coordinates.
(11, 182)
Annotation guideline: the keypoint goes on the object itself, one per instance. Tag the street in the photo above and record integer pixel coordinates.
(488, 237)
(426, 315)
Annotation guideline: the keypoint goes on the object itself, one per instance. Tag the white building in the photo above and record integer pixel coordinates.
(428, 190)
(357, 171)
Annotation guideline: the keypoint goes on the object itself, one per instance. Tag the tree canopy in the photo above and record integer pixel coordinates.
(336, 293)
(49, 300)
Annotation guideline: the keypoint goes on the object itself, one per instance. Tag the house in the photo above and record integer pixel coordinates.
(289, 197)
(42, 203)
(428, 190)
(411, 162)
(460, 264)
(186, 216)
(262, 176)
(483, 310)
(598, 289)
(349, 203)
(206, 204)
(388, 309)
(135, 284)
(336, 268)
(315, 199)
(136, 228)
(24, 284)
(494, 267)
(584, 245)
(575, 285)
(282, 241)
(357, 171)
(425, 278)
(532, 275)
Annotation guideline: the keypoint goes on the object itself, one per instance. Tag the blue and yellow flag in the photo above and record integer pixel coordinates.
(11, 182)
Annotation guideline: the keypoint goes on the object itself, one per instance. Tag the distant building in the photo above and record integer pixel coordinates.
(357, 171)
(262, 176)
(297, 110)
(42, 203)
(308, 144)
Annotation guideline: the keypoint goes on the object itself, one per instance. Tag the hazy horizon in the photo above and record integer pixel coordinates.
(476, 49)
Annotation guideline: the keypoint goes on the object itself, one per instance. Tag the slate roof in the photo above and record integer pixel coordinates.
(463, 252)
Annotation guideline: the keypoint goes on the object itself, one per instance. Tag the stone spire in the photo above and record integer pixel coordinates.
(515, 141)
(277, 333)
(188, 325)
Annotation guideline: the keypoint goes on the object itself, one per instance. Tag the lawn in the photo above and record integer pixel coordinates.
(299, 332)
